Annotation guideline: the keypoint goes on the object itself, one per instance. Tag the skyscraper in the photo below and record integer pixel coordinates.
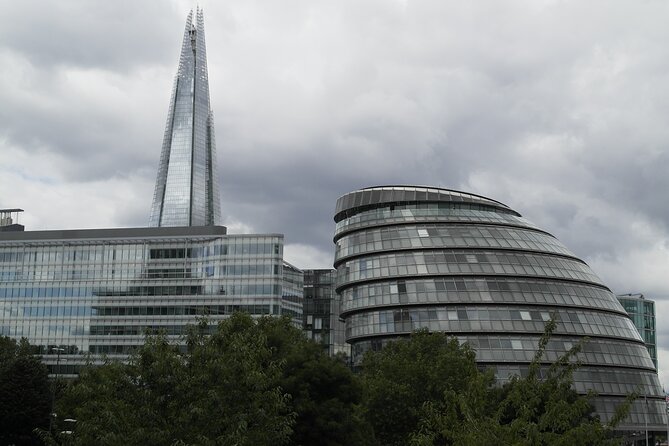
(411, 257)
(642, 312)
(186, 192)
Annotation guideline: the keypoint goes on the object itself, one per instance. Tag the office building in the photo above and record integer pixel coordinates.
(410, 257)
(99, 291)
(186, 192)
(642, 312)
(320, 312)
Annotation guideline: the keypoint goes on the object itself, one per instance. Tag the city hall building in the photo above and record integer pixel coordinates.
(410, 257)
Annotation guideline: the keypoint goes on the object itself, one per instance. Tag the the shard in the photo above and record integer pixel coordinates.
(186, 192)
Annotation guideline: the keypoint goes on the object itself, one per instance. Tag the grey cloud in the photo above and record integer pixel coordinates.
(556, 107)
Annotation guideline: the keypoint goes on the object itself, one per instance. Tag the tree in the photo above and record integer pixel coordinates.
(325, 395)
(541, 408)
(221, 391)
(25, 394)
(249, 382)
(422, 378)
(546, 410)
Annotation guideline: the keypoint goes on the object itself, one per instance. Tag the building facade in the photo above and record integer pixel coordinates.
(411, 257)
(321, 310)
(79, 292)
(642, 312)
(186, 192)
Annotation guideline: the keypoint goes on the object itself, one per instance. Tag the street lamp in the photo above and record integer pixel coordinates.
(52, 415)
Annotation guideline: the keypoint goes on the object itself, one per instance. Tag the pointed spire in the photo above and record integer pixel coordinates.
(186, 192)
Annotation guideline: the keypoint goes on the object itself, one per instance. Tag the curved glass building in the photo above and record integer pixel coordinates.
(409, 257)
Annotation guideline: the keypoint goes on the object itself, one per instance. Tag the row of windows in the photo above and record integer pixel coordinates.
(394, 205)
(386, 216)
(642, 411)
(492, 319)
(601, 380)
(454, 262)
(523, 348)
(166, 290)
(171, 310)
(137, 271)
(135, 252)
(446, 236)
(463, 290)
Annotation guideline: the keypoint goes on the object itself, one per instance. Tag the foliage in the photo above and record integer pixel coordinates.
(250, 382)
(427, 391)
(222, 391)
(25, 394)
(325, 394)
(412, 380)
(546, 410)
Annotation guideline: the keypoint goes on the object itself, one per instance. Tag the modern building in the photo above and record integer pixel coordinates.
(642, 312)
(81, 294)
(186, 192)
(320, 312)
(98, 291)
(410, 257)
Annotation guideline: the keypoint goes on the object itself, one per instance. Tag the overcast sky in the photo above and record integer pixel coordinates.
(557, 108)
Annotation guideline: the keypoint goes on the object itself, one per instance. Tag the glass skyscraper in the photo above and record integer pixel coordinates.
(186, 192)
(642, 312)
(410, 257)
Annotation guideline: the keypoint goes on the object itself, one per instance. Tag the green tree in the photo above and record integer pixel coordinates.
(541, 408)
(25, 394)
(325, 395)
(429, 376)
(221, 391)
(544, 409)
(244, 382)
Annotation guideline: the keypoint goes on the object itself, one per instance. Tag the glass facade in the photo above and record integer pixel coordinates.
(321, 312)
(419, 257)
(642, 312)
(99, 291)
(186, 192)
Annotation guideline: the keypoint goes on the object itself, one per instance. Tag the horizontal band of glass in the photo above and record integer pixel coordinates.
(500, 348)
(447, 236)
(165, 310)
(462, 262)
(386, 216)
(472, 290)
(594, 351)
(65, 253)
(140, 289)
(643, 411)
(192, 270)
(451, 319)
(361, 200)
(600, 379)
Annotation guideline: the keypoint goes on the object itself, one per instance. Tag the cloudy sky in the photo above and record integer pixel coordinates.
(557, 108)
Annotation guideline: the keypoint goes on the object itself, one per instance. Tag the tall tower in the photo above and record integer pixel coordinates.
(186, 192)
